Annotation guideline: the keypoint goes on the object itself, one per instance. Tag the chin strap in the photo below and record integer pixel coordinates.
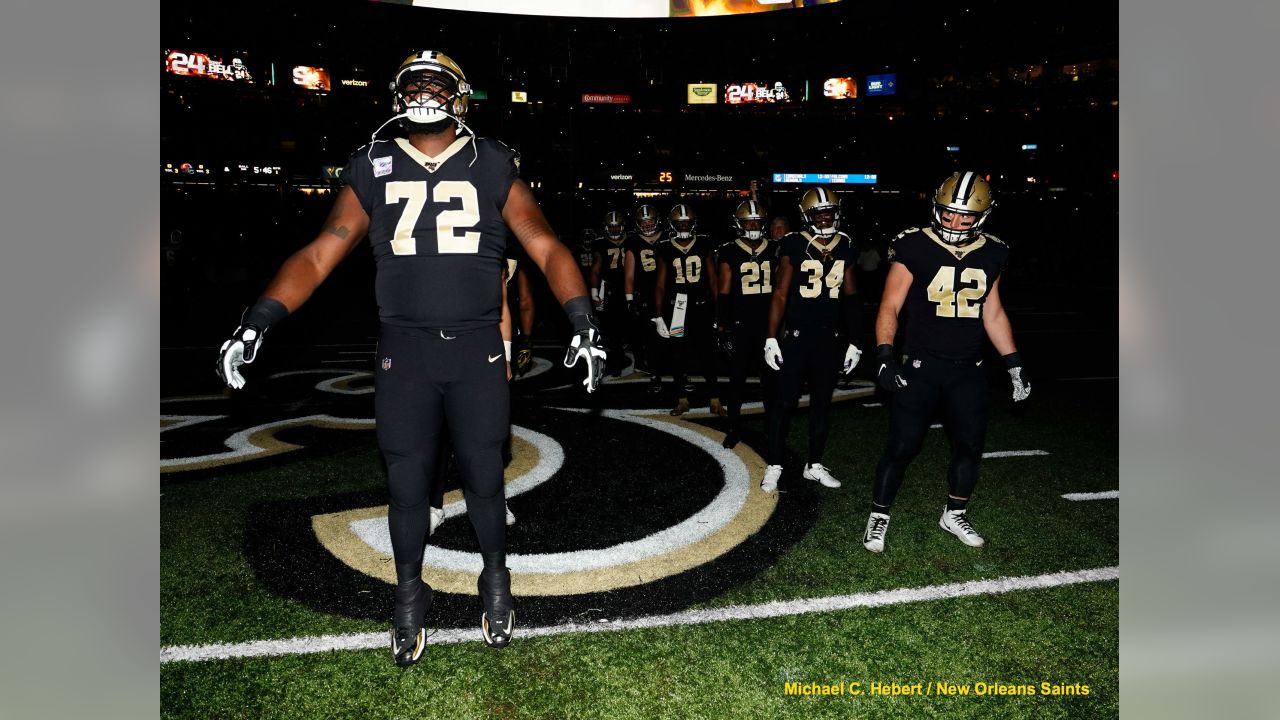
(374, 138)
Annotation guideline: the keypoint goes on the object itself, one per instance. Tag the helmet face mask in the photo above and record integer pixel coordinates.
(960, 207)
(682, 221)
(647, 220)
(749, 220)
(614, 228)
(430, 91)
(821, 211)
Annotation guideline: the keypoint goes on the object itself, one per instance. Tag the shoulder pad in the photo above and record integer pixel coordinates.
(995, 239)
(904, 233)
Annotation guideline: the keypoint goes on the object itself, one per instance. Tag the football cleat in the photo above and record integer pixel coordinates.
(956, 522)
(682, 407)
(771, 475)
(499, 617)
(511, 517)
(655, 385)
(437, 517)
(730, 440)
(408, 629)
(718, 409)
(819, 473)
(873, 538)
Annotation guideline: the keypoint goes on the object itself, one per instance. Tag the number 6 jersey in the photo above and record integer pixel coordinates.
(436, 229)
(949, 285)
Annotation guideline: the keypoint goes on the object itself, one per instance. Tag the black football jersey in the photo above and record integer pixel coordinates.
(436, 229)
(613, 258)
(646, 263)
(817, 277)
(751, 274)
(686, 270)
(949, 286)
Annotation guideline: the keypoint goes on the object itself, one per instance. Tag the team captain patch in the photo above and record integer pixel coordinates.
(382, 166)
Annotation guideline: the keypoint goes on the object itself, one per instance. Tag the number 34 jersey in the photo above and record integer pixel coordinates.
(949, 286)
(436, 229)
(817, 276)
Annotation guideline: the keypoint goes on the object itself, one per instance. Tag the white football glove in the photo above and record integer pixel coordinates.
(583, 345)
(1021, 385)
(241, 349)
(851, 357)
(662, 327)
(772, 354)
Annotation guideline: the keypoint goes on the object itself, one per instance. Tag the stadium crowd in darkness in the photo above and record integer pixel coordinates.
(964, 81)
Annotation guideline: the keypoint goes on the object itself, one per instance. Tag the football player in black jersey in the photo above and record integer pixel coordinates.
(641, 279)
(608, 271)
(436, 206)
(947, 277)
(747, 266)
(814, 311)
(685, 290)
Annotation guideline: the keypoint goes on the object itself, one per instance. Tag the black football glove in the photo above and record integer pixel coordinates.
(888, 373)
(241, 349)
(1018, 374)
(524, 356)
(587, 344)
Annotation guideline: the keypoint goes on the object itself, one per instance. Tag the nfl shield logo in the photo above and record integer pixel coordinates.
(386, 363)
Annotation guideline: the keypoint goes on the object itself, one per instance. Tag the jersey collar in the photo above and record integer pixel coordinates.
(813, 240)
(747, 248)
(958, 252)
(431, 164)
(676, 244)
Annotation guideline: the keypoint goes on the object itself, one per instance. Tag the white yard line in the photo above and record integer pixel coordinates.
(900, 596)
(1106, 495)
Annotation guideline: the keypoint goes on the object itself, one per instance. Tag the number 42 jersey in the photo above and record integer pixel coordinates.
(949, 286)
(436, 229)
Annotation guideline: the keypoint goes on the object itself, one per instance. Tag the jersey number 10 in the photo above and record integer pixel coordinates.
(448, 222)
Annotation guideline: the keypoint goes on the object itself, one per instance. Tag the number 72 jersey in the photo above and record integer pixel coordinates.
(436, 230)
(949, 286)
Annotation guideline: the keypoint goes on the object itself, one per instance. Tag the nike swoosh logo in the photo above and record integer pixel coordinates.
(495, 357)
(882, 367)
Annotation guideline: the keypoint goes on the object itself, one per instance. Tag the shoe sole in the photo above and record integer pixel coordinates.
(962, 538)
(874, 550)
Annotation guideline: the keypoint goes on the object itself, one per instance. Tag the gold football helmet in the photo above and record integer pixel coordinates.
(614, 227)
(821, 211)
(682, 221)
(429, 88)
(647, 219)
(965, 193)
(747, 211)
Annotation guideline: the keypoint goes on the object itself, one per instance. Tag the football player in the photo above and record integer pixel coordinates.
(641, 280)
(813, 323)
(947, 277)
(747, 266)
(436, 206)
(683, 296)
(608, 270)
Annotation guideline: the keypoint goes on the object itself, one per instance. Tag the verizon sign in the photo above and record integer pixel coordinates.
(600, 99)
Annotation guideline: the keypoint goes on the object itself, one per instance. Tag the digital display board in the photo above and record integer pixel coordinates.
(755, 93)
(198, 64)
(882, 84)
(311, 78)
(519, 96)
(842, 88)
(605, 99)
(825, 178)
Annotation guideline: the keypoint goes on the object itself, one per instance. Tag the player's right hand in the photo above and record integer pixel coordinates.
(772, 354)
(586, 345)
(889, 372)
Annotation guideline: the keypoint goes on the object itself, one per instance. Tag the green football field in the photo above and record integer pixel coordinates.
(1019, 631)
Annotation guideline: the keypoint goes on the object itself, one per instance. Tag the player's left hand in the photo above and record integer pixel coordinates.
(524, 356)
(241, 349)
(1018, 374)
(586, 345)
(851, 358)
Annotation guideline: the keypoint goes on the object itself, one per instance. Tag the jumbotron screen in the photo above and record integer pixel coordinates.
(825, 178)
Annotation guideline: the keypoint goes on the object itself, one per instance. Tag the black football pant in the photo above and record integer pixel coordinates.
(747, 360)
(960, 388)
(614, 323)
(695, 351)
(644, 334)
(812, 357)
(420, 379)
